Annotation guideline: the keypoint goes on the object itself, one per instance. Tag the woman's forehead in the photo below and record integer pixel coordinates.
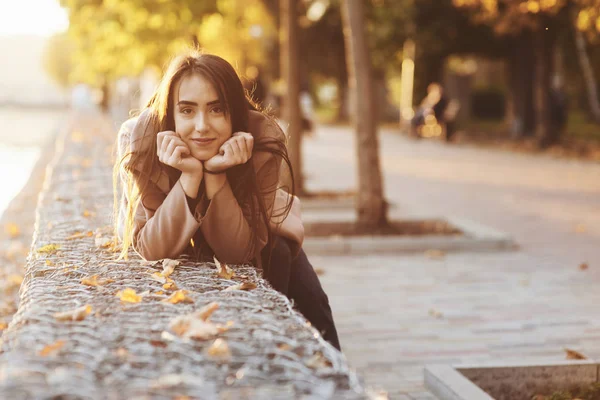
(195, 88)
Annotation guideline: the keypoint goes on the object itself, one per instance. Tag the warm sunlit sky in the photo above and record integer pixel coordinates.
(35, 17)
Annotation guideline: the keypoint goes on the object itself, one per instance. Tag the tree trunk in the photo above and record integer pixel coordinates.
(342, 112)
(521, 71)
(546, 132)
(291, 75)
(105, 102)
(371, 206)
(588, 75)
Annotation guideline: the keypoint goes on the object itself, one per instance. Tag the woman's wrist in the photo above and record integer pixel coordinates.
(191, 183)
(213, 183)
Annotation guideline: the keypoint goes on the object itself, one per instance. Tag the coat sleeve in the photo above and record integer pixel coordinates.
(225, 225)
(163, 223)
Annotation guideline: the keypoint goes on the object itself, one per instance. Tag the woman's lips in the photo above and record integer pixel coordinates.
(203, 141)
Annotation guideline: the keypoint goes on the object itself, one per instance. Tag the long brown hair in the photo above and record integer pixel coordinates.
(160, 117)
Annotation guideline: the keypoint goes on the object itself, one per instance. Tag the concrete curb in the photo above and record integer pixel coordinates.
(465, 382)
(476, 238)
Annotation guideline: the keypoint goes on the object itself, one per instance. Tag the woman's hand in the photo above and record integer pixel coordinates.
(235, 151)
(174, 152)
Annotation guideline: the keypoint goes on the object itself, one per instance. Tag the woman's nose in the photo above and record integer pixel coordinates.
(201, 124)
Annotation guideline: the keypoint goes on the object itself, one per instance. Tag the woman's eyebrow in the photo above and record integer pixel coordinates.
(193, 103)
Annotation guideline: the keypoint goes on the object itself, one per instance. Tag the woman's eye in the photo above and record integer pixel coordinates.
(217, 110)
(186, 111)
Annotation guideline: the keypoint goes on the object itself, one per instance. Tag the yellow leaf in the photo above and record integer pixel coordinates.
(79, 235)
(87, 213)
(169, 266)
(170, 286)
(219, 350)
(93, 281)
(241, 286)
(3, 326)
(284, 347)
(49, 263)
(48, 249)
(223, 271)
(52, 348)
(188, 326)
(159, 293)
(318, 361)
(12, 230)
(77, 314)
(129, 296)
(158, 276)
(180, 296)
(574, 355)
(205, 312)
(435, 254)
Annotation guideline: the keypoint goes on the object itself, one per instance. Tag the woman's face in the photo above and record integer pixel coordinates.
(200, 118)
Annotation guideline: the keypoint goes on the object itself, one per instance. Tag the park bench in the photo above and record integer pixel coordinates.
(124, 341)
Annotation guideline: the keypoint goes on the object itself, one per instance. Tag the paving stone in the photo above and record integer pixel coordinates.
(400, 313)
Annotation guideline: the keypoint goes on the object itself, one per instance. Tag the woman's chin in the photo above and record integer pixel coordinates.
(203, 155)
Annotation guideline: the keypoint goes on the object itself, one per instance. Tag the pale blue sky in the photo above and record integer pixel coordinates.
(35, 17)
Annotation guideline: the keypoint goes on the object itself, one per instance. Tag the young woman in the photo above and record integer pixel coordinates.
(200, 172)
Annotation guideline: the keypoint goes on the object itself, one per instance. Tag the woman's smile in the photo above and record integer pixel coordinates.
(203, 141)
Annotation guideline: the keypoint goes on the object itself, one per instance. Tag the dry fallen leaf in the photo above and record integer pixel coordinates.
(284, 347)
(48, 249)
(88, 214)
(435, 254)
(574, 355)
(52, 348)
(3, 326)
(79, 235)
(77, 314)
(583, 266)
(219, 350)
(318, 361)
(169, 266)
(158, 276)
(205, 312)
(94, 281)
(180, 296)
(170, 286)
(223, 270)
(49, 263)
(241, 286)
(196, 325)
(129, 296)
(188, 326)
(12, 230)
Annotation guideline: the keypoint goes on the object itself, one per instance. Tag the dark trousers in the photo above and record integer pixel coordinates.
(296, 278)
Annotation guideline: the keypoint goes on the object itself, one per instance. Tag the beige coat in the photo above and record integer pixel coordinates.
(164, 223)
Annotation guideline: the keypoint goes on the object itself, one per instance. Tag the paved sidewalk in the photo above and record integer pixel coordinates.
(397, 313)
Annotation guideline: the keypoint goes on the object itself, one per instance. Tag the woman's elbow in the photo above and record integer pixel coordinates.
(151, 253)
